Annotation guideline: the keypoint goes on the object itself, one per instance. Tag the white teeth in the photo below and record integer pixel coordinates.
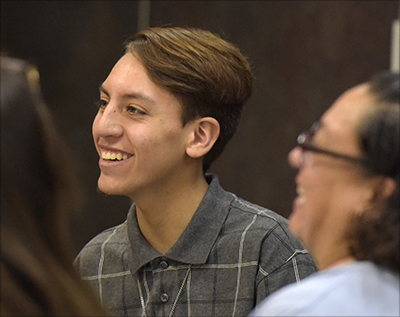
(113, 156)
(299, 191)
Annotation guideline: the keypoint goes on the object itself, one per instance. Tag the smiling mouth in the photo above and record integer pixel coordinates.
(108, 156)
(299, 191)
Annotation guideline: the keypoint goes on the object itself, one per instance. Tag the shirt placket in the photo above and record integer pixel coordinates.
(162, 287)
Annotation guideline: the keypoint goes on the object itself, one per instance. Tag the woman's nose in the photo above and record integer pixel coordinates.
(107, 123)
(295, 157)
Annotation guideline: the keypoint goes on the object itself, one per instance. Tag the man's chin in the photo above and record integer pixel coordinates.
(102, 192)
(105, 188)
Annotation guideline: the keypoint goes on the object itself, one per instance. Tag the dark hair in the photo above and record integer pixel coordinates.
(376, 234)
(208, 75)
(38, 191)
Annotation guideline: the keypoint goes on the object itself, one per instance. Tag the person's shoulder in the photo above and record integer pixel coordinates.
(279, 249)
(262, 213)
(239, 207)
(267, 227)
(116, 234)
(336, 291)
(115, 238)
(267, 224)
(294, 299)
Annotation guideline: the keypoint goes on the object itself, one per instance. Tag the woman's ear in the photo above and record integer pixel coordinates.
(377, 189)
(385, 188)
(205, 133)
(382, 188)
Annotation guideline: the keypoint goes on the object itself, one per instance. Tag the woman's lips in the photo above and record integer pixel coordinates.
(300, 198)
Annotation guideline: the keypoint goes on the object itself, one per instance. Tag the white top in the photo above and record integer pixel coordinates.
(357, 289)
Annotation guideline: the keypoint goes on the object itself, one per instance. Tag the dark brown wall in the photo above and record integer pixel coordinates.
(304, 54)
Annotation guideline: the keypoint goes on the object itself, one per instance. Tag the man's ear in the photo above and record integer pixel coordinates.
(205, 133)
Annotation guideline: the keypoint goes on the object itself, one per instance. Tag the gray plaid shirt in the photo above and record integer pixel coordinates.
(231, 256)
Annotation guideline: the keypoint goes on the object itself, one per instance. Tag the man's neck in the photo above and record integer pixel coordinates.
(163, 217)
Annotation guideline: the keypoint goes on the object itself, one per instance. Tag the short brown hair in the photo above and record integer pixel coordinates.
(208, 75)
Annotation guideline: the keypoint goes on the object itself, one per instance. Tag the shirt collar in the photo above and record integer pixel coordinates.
(194, 245)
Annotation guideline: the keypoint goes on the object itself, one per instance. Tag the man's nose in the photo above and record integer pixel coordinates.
(108, 123)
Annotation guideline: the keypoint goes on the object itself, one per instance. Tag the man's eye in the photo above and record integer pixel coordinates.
(100, 104)
(134, 110)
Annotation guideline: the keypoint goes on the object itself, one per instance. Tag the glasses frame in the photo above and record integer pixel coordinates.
(304, 140)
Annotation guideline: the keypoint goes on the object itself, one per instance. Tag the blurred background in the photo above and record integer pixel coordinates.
(304, 54)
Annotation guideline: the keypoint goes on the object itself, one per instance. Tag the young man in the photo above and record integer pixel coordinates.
(188, 248)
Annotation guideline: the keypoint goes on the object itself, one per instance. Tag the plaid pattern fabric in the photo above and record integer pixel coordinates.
(230, 257)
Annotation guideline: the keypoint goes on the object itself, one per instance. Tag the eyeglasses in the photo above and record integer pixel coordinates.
(304, 140)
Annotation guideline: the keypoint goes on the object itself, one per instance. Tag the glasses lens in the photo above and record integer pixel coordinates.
(314, 128)
(302, 138)
(305, 138)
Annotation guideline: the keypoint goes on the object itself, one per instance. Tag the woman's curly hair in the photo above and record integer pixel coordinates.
(374, 235)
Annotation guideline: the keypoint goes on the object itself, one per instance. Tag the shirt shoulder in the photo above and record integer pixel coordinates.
(345, 291)
(296, 299)
(267, 223)
(88, 258)
(254, 209)
(268, 232)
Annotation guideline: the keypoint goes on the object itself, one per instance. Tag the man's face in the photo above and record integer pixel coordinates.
(138, 132)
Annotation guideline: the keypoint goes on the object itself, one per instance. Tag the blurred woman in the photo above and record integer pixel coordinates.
(38, 191)
(347, 208)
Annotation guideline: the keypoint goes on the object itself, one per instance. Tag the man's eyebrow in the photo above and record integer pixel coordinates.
(102, 89)
(136, 95)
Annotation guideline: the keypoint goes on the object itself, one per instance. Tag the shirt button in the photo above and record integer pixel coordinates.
(164, 297)
(163, 265)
